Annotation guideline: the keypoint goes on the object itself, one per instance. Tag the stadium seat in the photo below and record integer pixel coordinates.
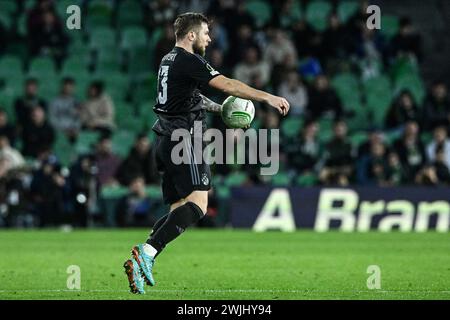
(235, 179)
(8, 7)
(260, 10)
(85, 141)
(133, 37)
(389, 25)
(7, 103)
(359, 118)
(378, 85)
(115, 82)
(153, 192)
(378, 106)
(140, 62)
(145, 111)
(306, 180)
(73, 65)
(130, 13)
(415, 85)
(281, 179)
(122, 141)
(5, 19)
(291, 126)
(10, 66)
(99, 13)
(325, 129)
(107, 60)
(144, 90)
(102, 38)
(49, 88)
(358, 138)
(345, 81)
(42, 67)
(346, 9)
(317, 13)
(63, 149)
(295, 14)
(113, 192)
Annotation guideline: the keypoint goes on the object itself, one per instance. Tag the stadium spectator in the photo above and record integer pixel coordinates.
(97, 113)
(427, 176)
(278, 48)
(371, 168)
(402, 110)
(307, 41)
(106, 162)
(244, 40)
(234, 14)
(407, 42)
(160, 12)
(25, 104)
(139, 162)
(395, 174)
(164, 44)
(135, 209)
(437, 106)
(335, 40)
(219, 33)
(295, 92)
(338, 157)
(7, 129)
(285, 14)
(440, 142)
(83, 189)
(48, 37)
(441, 165)
(38, 136)
(4, 37)
(410, 150)
(252, 70)
(47, 193)
(35, 17)
(323, 100)
(375, 136)
(305, 151)
(280, 72)
(10, 157)
(64, 111)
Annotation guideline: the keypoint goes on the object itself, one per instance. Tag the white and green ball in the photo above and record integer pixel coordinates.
(237, 112)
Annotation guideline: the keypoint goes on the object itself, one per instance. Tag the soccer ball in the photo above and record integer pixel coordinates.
(237, 112)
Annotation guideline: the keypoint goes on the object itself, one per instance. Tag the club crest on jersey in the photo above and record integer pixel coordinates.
(205, 179)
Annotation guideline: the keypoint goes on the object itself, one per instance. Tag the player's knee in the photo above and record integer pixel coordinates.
(200, 198)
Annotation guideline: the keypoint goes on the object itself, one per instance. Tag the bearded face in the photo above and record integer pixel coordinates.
(198, 47)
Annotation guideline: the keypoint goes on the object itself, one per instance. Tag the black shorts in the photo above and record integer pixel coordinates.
(180, 180)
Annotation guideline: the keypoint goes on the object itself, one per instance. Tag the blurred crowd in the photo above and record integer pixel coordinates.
(285, 55)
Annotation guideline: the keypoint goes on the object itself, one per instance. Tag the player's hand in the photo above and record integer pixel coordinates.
(279, 103)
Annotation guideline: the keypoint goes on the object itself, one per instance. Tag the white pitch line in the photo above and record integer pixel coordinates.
(232, 291)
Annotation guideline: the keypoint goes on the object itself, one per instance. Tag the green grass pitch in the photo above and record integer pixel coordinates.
(227, 264)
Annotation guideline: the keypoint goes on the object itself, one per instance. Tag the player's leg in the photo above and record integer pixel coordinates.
(187, 212)
(194, 198)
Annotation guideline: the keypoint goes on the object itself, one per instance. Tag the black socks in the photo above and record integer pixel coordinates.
(172, 225)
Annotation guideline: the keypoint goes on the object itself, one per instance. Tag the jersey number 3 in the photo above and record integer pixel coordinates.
(163, 74)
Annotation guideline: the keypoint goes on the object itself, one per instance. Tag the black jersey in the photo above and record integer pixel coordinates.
(181, 76)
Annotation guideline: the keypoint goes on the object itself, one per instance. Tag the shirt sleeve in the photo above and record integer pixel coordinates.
(200, 70)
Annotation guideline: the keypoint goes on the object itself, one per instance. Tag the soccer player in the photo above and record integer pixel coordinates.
(182, 73)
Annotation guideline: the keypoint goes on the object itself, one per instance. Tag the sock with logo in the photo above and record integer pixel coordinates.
(176, 222)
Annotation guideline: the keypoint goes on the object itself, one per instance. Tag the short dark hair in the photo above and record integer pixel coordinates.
(68, 80)
(186, 22)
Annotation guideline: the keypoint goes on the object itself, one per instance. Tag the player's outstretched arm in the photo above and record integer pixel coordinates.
(239, 89)
(210, 105)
